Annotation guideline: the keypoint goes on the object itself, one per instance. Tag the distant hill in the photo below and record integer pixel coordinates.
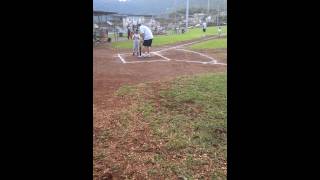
(153, 7)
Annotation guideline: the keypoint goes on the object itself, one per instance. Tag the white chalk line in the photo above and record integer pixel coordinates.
(201, 54)
(161, 56)
(144, 61)
(224, 64)
(199, 62)
(181, 45)
(141, 61)
(213, 61)
(210, 62)
(166, 59)
(123, 61)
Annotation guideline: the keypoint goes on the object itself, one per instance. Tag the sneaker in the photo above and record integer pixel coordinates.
(148, 55)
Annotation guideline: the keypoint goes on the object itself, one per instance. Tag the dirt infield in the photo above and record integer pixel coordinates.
(110, 73)
(184, 55)
(129, 58)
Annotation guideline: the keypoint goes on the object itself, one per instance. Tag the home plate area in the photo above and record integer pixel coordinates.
(187, 56)
(129, 58)
(180, 55)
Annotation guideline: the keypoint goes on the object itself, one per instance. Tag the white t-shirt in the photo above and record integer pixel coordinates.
(204, 25)
(136, 37)
(146, 31)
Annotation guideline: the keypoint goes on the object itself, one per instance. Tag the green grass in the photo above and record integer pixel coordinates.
(172, 38)
(211, 44)
(189, 114)
(125, 90)
(194, 112)
(145, 108)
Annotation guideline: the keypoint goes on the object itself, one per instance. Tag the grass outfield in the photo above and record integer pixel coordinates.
(211, 44)
(172, 38)
(189, 117)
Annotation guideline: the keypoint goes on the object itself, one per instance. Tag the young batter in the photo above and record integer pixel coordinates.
(136, 41)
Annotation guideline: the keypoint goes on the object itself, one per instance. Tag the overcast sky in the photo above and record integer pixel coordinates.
(149, 6)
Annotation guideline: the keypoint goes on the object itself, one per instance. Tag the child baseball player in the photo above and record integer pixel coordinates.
(219, 30)
(136, 41)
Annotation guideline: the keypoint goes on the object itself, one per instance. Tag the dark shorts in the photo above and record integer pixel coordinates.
(204, 30)
(147, 42)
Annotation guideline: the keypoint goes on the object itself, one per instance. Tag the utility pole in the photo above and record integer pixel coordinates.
(208, 7)
(225, 5)
(218, 16)
(175, 13)
(187, 15)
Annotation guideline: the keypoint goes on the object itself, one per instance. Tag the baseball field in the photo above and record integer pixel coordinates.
(162, 117)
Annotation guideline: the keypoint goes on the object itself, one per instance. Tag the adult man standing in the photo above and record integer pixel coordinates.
(219, 31)
(147, 37)
(129, 32)
(204, 26)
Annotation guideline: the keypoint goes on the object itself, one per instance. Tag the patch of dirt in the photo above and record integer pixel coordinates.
(109, 73)
(180, 55)
(219, 54)
(125, 147)
(131, 58)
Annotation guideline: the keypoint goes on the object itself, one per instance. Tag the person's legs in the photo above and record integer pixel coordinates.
(144, 48)
(135, 49)
(150, 43)
(148, 51)
(149, 47)
(142, 51)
